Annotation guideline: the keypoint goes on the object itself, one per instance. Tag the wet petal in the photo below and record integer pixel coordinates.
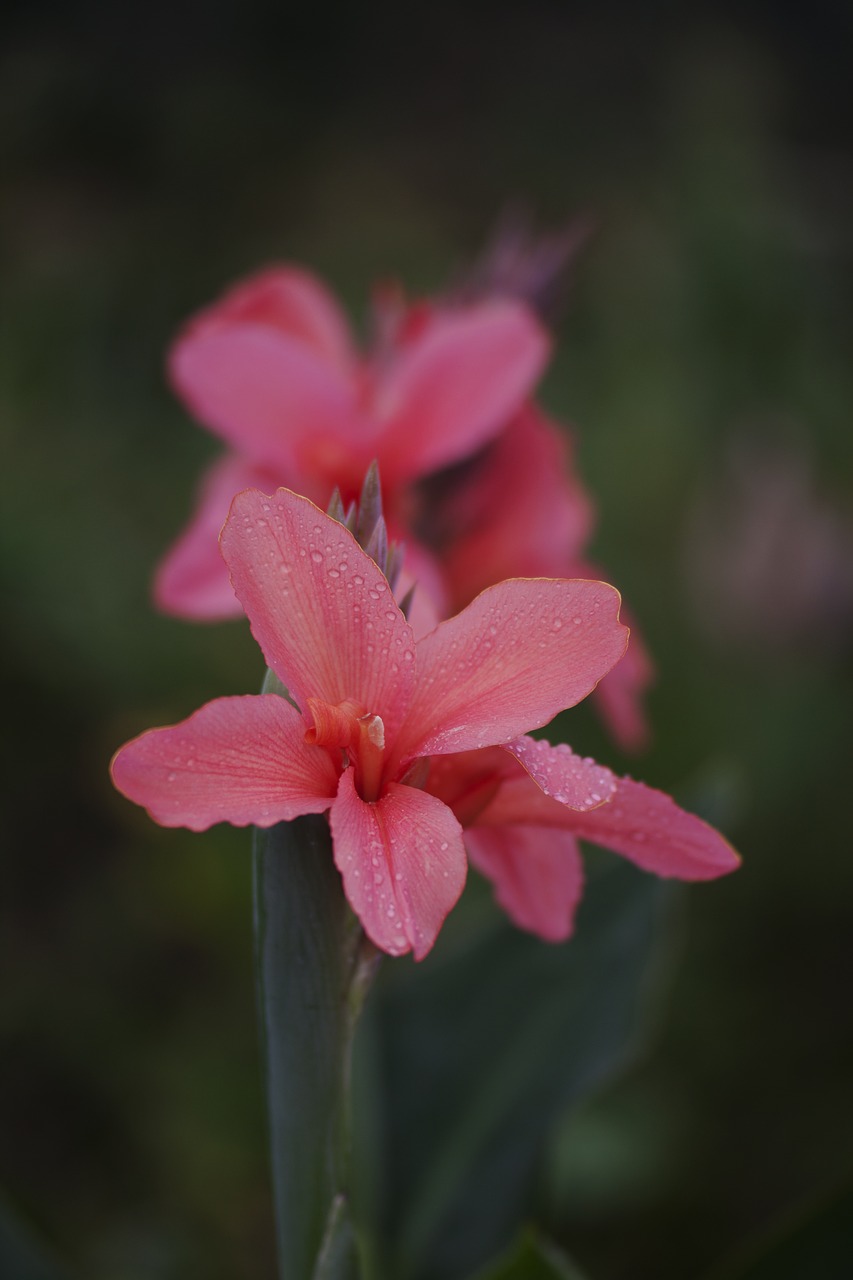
(537, 874)
(642, 824)
(650, 829)
(521, 652)
(457, 385)
(402, 861)
(319, 607)
(239, 760)
(573, 781)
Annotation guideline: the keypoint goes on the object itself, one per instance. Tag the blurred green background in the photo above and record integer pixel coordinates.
(153, 152)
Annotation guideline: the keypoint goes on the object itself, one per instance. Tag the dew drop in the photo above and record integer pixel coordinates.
(317, 557)
(577, 621)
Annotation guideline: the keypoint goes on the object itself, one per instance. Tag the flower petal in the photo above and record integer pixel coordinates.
(288, 299)
(521, 652)
(457, 385)
(402, 861)
(239, 760)
(573, 781)
(642, 824)
(192, 580)
(620, 694)
(648, 827)
(519, 511)
(319, 607)
(537, 874)
(269, 395)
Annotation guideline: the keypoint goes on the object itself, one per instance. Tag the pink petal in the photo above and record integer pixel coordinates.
(537, 874)
(520, 652)
(269, 395)
(288, 299)
(642, 824)
(456, 386)
(402, 862)
(192, 580)
(648, 827)
(239, 760)
(620, 694)
(572, 781)
(520, 510)
(320, 609)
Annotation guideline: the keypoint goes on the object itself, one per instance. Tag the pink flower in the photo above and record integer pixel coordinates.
(479, 484)
(373, 706)
(526, 842)
(521, 510)
(272, 370)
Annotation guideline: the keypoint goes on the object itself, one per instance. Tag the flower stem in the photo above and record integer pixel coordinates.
(313, 972)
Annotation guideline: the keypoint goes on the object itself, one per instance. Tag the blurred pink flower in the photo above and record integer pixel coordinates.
(520, 509)
(479, 484)
(272, 370)
(372, 705)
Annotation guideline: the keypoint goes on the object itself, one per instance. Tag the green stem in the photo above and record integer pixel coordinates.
(314, 969)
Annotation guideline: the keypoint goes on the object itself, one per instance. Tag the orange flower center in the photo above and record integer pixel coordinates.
(358, 734)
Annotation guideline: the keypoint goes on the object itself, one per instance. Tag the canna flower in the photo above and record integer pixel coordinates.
(526, 842)
(477, 481)
(371, 707)
(521, 510)
(272, 370)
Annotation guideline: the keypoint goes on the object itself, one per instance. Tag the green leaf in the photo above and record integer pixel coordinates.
(312, 974)
(482, 1047)
(532, 1259)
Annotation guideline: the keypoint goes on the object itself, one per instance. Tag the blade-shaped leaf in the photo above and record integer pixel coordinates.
(482, 1047)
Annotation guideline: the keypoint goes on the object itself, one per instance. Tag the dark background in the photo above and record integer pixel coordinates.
(151, 153)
